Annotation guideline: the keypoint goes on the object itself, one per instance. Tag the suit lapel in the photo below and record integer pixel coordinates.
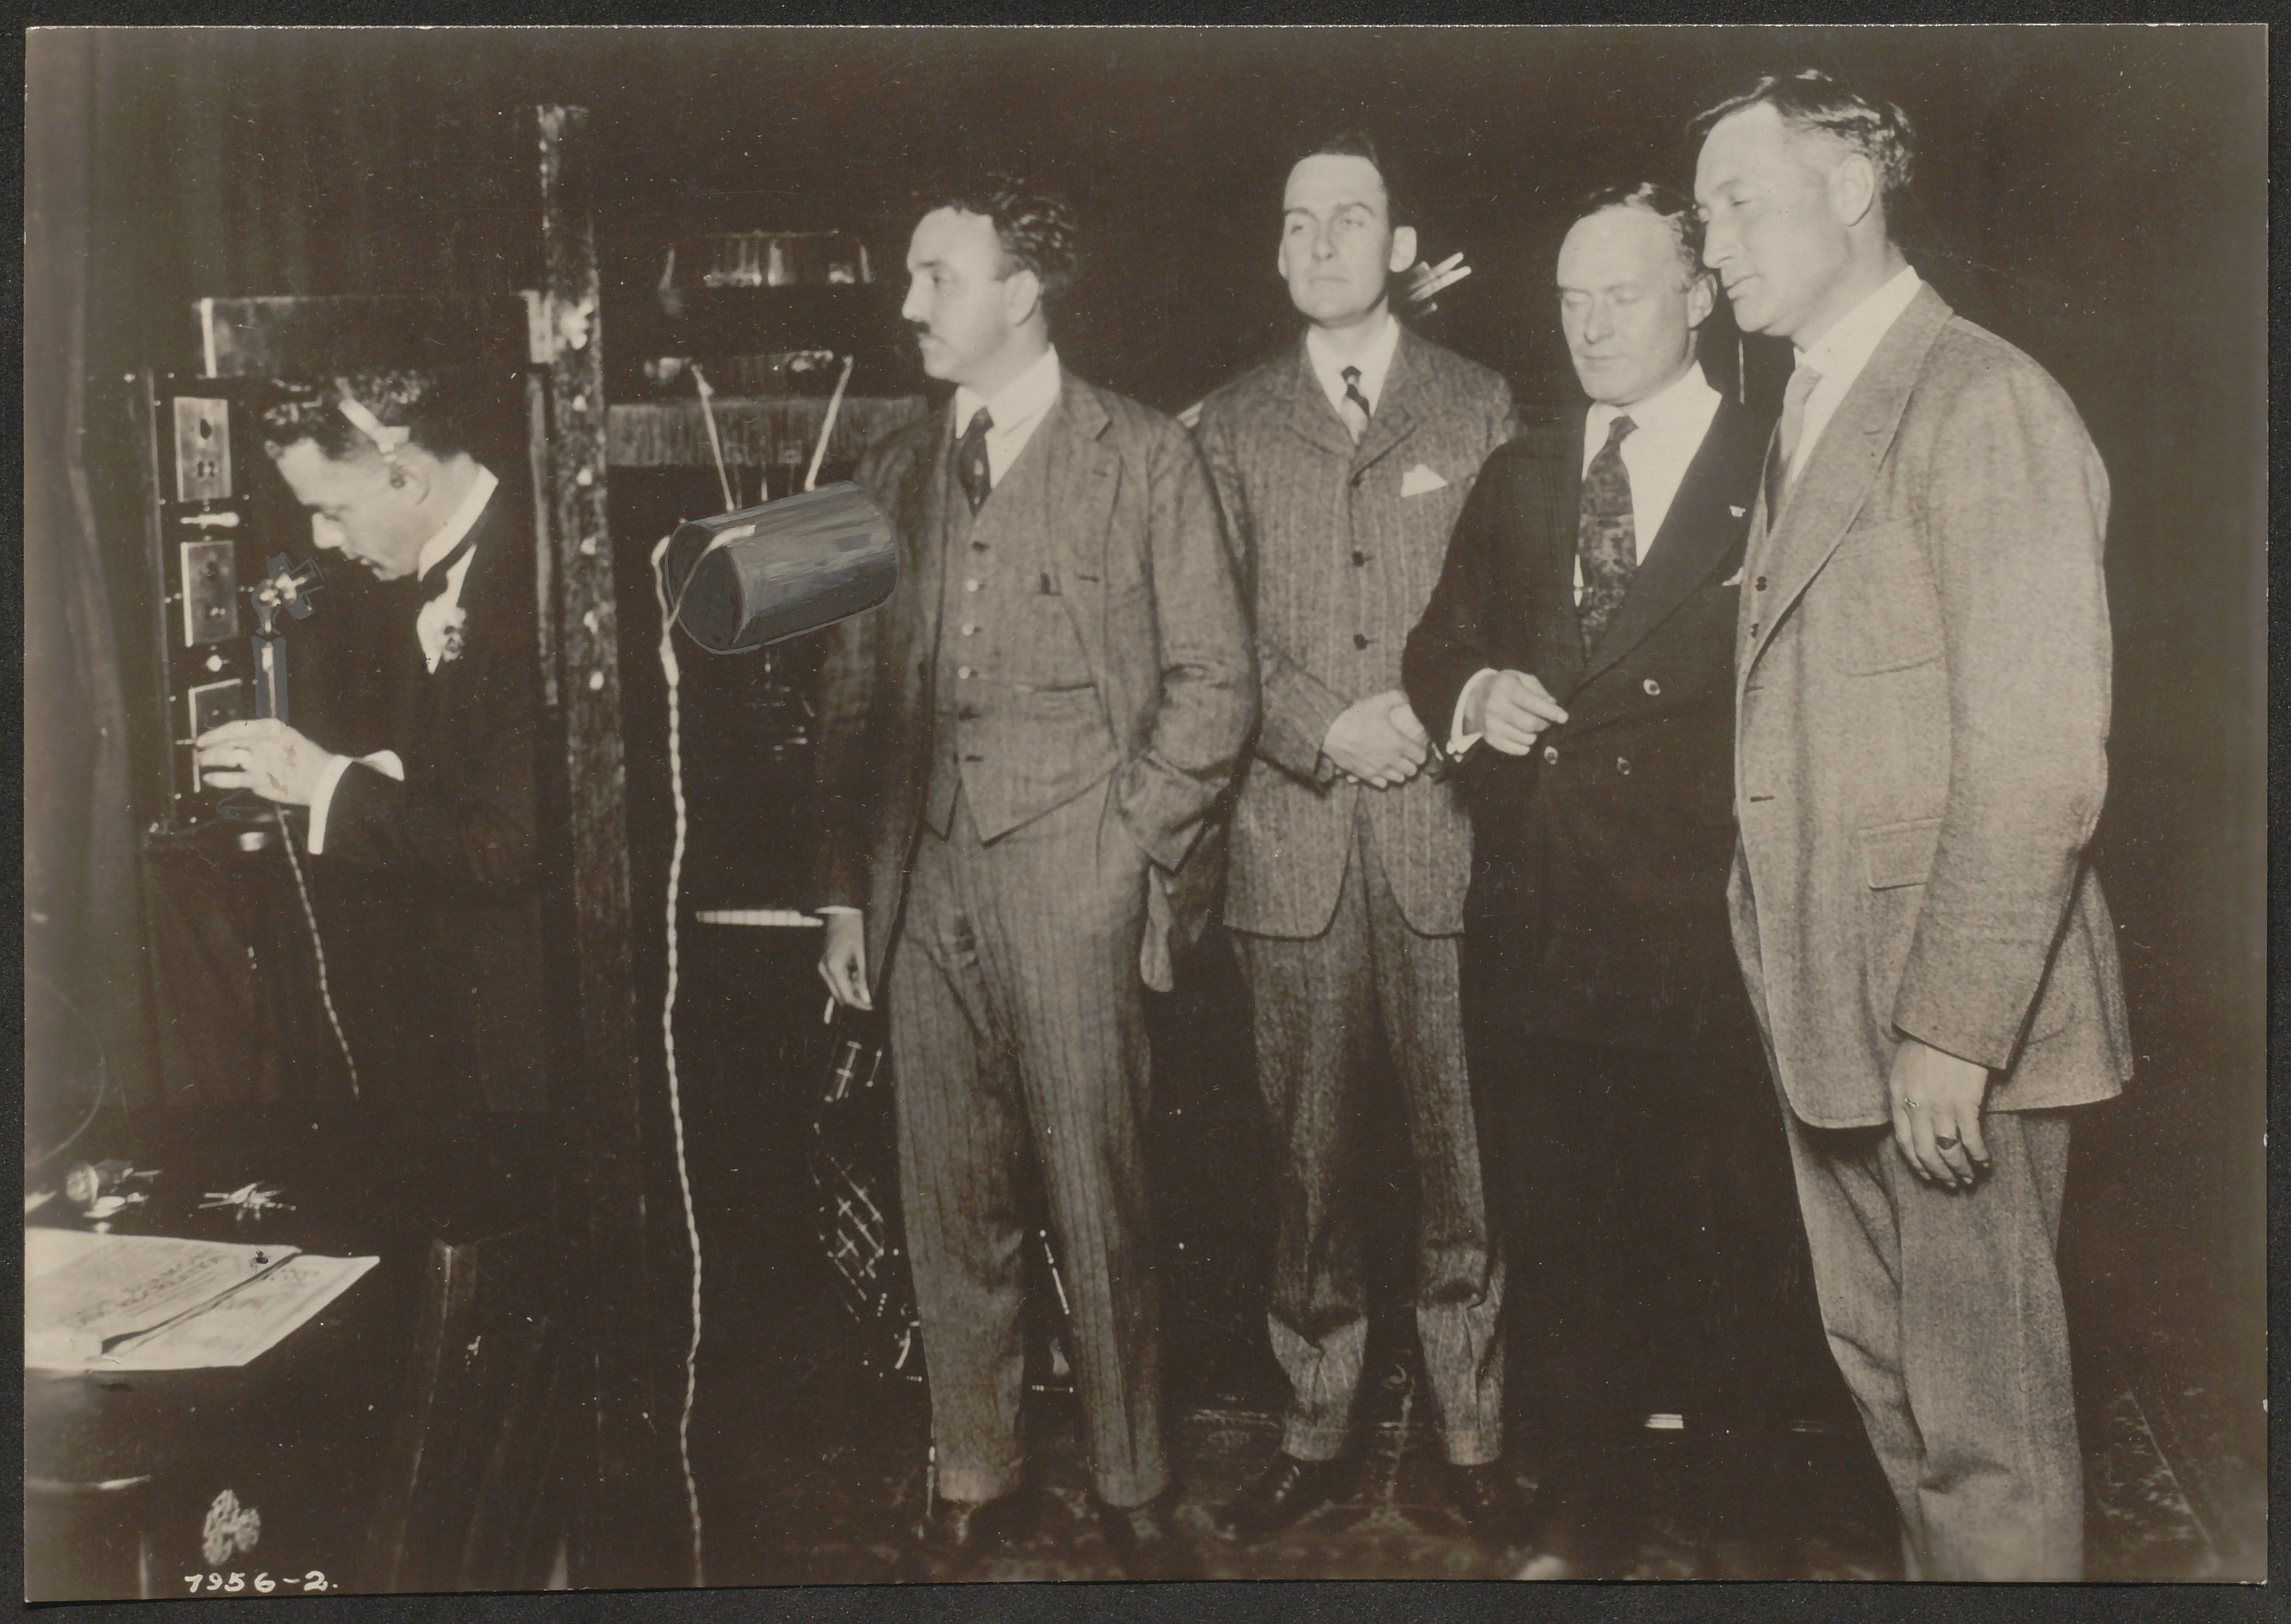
(1829, 490)
(1405, 395)
(1311, 418)
(922, 493)
(1697, 533)
(1562, 520)
(1081, 477)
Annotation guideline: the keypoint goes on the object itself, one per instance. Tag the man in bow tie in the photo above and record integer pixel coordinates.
(1016, 754)
(1921, 754)
(1340, 465)
(442, 820)
(1578, 659)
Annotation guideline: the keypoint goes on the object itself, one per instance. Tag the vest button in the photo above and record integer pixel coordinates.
(963, 672)
(1551, 755)
(1623, 765)
(1359, 558)
(1654, 688)
(1360, 639)
(970, 585)
(969, 630)
(1761, 583)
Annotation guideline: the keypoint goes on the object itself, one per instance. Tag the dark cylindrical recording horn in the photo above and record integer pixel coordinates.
(742, 580)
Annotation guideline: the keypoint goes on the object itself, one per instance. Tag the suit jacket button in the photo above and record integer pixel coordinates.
(1360, 639)
(970, 585)
(962, 671)
(1551, 755)
(1623, 765)
(1359, 558)
(1654, 688)
(1754, 628)
(1761, 583)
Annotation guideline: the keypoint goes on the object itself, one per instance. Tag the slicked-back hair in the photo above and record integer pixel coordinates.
(1667, 204)
(410, 400)
(1035, 225)
(1811, 100)
(1355, 143)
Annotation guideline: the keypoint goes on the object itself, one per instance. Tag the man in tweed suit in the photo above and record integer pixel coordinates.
(1341, 466)
(1921, 754)
(1579, 654)
(1015, 754)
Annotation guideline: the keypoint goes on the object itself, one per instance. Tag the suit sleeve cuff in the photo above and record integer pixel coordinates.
(1459, 741)
(330, 779)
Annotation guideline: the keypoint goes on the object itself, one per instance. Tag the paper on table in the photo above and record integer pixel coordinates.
(81, 1288)
(248, 1322)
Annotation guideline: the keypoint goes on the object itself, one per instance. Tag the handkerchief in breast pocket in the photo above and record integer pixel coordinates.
(1419, 480)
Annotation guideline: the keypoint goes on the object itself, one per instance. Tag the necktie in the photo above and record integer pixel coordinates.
(970, 464)
(1794, 395)
(1606, 540)
(1356, 409)
(433, 579)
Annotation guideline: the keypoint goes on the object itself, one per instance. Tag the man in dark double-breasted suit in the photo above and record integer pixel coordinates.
(1341, 465)
(1577, 658)
(1016, 754)
(438, 815)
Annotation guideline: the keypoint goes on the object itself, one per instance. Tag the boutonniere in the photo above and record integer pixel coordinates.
(441, 626)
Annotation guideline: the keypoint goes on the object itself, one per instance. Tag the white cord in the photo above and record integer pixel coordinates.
(669, 674)
(827, 427)
(317, 947)
(715, 444)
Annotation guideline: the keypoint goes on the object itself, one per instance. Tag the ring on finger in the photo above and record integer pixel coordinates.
(1910, 1103)
(1946, 1141)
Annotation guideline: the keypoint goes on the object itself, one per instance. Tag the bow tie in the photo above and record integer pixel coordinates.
(434, 578)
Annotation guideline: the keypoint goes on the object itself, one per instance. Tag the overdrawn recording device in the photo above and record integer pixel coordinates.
(744, 580)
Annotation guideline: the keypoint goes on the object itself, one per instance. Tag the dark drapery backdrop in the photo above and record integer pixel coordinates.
(2096, 195)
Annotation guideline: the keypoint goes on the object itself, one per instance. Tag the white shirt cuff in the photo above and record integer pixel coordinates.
(1459, 741)
(330, 779)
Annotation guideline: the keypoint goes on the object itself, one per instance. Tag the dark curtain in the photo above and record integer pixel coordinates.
(86, 988)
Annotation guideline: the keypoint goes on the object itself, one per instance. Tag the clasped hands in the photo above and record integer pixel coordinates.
(1377, 741)
(266, 756)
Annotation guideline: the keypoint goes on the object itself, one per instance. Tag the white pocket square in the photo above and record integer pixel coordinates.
(1419, 480)
(1734, 580)
(1736, 512)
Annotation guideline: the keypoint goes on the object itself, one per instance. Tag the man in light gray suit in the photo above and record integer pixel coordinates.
(1015, 757)
(1341, 465)
(1922, 669)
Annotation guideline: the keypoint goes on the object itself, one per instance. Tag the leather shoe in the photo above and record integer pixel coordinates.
(1145, 1543)
(1485, 1498)
(1284, 1492)
(957, 1535)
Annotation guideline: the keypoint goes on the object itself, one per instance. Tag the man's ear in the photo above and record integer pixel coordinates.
(409, 476)
(1403, 249)
(1701, 299)
(1022, 295)
(1854, 188)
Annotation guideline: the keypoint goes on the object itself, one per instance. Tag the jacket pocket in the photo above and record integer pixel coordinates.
(1895, 854)
(1887, 612)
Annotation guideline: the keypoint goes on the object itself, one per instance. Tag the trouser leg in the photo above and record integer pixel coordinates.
(1943, 1310)
(961, 1129)
(1459, 1272)
(1311, 1006)
(1066, 901)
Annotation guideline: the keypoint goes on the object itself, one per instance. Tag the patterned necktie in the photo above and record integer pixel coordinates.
(1606, 540)
(433, 579)
(970, 464)
(1355, 410)
(1778, 475)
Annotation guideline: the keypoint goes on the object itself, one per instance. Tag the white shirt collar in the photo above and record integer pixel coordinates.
(463, 520)
(1842, 352)
(1018, 404)
(1682, 407)
(1375, 363)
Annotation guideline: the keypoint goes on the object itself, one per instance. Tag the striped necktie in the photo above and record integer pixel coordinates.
(1355, 410)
